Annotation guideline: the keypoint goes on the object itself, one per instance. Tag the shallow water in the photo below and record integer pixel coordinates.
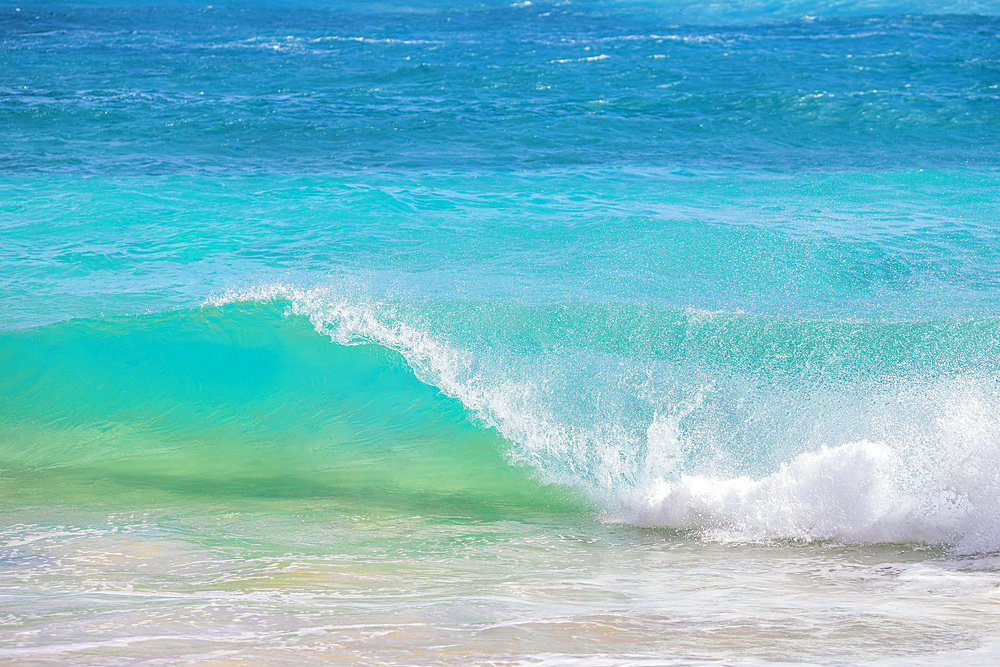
(285, 580)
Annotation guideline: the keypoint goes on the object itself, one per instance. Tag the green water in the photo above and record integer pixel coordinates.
(245, 403)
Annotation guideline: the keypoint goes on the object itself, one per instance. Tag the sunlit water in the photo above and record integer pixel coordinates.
(507, 333)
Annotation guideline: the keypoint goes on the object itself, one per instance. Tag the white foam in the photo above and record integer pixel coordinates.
(844, 492)
(939, 486)
(941, 489)
(586, 59)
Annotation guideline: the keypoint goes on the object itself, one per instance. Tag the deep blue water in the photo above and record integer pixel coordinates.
(288, 87)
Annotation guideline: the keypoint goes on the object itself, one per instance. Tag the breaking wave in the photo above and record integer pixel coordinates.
(729, 425)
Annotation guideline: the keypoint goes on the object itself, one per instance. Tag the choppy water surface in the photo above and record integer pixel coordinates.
(542, 333)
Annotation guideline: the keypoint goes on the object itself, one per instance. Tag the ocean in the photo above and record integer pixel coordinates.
(551, 332)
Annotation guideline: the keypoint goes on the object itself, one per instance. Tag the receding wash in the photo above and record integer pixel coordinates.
(547, 332)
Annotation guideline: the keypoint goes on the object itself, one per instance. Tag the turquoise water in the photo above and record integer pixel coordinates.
(512, 333)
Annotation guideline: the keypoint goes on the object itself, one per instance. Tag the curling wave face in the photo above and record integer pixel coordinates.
(242, 401)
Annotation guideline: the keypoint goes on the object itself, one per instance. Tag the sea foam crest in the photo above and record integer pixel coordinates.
(938, 487)
(941, 489)
(845, 492)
